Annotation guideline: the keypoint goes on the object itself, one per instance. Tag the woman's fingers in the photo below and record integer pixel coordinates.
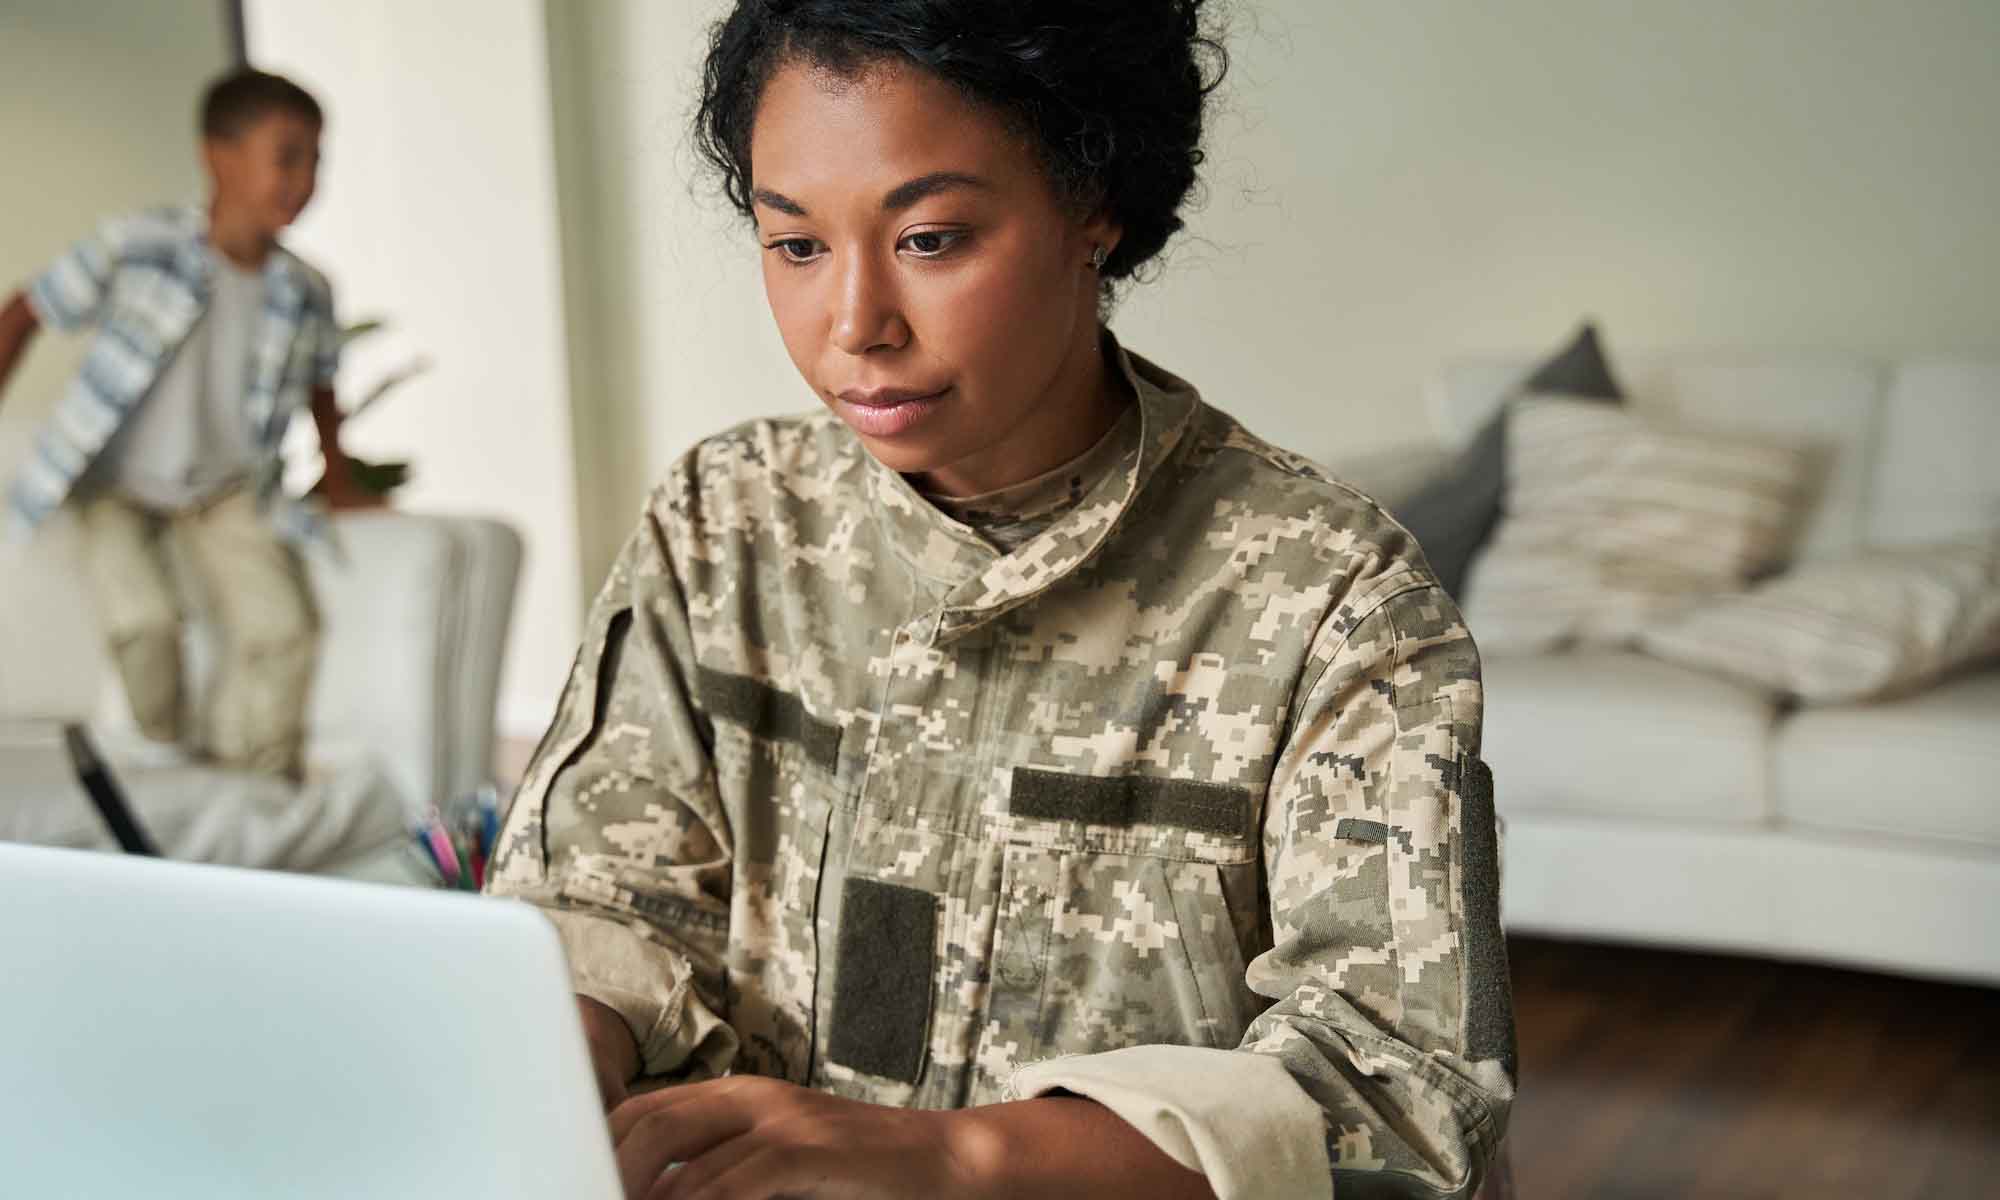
(694, 1175)
(674, 1134)
(637, 1108)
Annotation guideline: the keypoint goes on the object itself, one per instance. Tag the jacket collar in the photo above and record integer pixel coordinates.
(972, 582)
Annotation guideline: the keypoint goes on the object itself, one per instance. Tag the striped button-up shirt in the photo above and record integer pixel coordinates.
(142, 281)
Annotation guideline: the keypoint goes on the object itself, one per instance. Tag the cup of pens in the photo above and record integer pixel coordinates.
(457, 841)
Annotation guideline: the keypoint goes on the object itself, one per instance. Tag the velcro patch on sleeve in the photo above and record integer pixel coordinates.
(1489, 1017)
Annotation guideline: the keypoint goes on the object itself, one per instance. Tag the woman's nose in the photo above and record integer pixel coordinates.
(867, 309)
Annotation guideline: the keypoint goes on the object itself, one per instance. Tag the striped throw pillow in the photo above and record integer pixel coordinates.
(1879, 623)
(1611, 522)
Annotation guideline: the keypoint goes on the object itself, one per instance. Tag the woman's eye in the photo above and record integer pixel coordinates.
(930, 243)
(796, 250)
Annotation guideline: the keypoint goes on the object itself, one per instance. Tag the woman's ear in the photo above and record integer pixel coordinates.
(1100, 236)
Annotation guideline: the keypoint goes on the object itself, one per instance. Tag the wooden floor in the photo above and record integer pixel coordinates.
(1646, 1073)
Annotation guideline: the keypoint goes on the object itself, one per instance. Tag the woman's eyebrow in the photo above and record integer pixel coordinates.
(906, 194)
(900, 197)
(778, 200)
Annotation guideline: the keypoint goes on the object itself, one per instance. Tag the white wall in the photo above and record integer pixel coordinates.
(1390, 184)
(437, 210)
(1396, 183)
(670, 336)
(97, 116)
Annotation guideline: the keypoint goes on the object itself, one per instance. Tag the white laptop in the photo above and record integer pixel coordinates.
(169, 1030)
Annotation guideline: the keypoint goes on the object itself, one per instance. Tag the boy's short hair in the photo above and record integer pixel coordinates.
(244, 96)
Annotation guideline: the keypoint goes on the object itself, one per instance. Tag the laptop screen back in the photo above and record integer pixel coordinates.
(171, 1030)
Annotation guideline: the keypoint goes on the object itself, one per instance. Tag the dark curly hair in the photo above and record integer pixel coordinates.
(1111, 92)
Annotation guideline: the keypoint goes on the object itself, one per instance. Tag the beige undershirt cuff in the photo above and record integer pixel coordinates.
(1237, 1117)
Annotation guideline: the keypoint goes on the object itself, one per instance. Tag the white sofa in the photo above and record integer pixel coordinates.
(415, 615)
(1645, 802)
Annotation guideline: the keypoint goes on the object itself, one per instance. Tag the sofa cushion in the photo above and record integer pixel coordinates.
(1453, 515)
(200, 814)
(1830, 408)
(1880, 623)
(1830, 405)
(1612, 521)
(1618, 734)
(1925, 766)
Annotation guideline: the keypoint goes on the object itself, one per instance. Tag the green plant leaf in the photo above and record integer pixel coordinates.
(361, 329)
(403, 374)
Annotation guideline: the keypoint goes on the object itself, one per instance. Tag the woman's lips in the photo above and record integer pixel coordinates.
(887, 413)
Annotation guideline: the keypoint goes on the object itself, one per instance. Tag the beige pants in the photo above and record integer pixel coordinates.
(255, 588)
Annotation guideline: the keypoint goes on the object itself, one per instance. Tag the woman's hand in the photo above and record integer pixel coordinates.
(750, 1138)
(614, 1055)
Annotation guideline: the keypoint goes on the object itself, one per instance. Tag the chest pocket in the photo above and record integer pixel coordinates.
(1124, 911)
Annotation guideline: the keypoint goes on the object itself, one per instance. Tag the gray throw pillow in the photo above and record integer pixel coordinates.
(1454, 514)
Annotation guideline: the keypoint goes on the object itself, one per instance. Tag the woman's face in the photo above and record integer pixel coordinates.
(928, 282)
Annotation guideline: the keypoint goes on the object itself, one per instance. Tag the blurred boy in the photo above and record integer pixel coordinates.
(209, 336)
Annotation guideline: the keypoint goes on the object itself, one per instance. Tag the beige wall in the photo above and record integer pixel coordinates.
(437, 211)
(671, 339)
(97, 116)
(1390, 184)
(1396, 183)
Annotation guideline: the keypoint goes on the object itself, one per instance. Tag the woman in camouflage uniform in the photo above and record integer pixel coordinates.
(1016, 778)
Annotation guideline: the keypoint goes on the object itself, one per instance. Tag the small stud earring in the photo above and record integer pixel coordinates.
(1097, 256)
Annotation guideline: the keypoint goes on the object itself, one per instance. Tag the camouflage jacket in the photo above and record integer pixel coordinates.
(1177, 806)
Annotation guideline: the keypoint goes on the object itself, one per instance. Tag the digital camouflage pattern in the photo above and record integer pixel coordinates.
(1194, 765)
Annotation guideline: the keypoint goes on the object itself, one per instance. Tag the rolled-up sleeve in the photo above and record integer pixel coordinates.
(1385, 1063)
(618, 832)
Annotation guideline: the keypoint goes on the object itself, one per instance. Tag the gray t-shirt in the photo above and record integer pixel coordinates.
(189, 438)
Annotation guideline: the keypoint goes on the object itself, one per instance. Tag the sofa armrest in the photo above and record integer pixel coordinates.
(414, 612)
(490, 555)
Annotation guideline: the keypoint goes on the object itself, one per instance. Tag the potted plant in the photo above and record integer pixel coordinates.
(377, 478)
